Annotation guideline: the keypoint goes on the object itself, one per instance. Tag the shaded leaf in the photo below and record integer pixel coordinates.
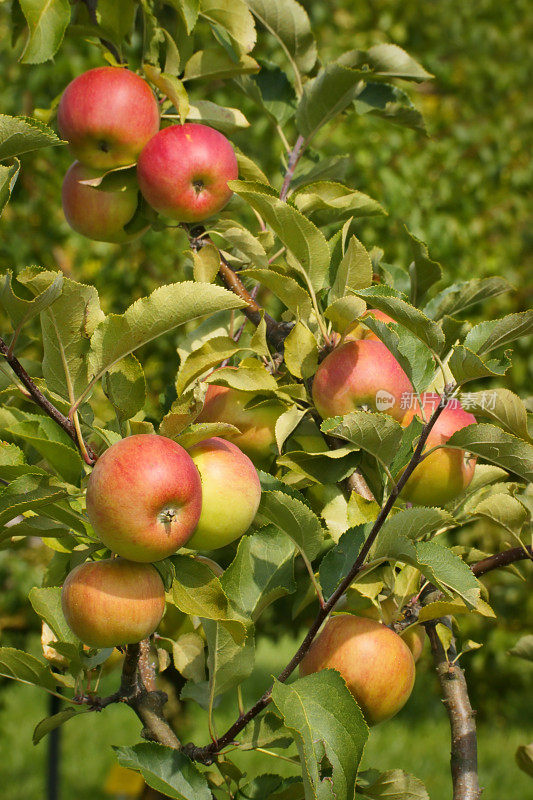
(378, 434)
(496, 446)
(295, 519)
(166, 770)
(47, 21)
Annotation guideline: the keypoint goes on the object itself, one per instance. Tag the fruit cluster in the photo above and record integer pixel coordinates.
(110, 118)
(147, 497)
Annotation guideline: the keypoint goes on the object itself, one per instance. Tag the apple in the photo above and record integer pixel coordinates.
(375, 662)
(361, 373)
(256, 425)
(96, 213)
(230, 493)
(144, 497)
(414, 637)
(184, 171)
(113, 602)
(446, 472)
(107, 115)
(358, 330)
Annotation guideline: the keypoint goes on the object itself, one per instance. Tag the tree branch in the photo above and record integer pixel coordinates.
(138, 690)
(502, 560)
(294, 157)
(454, 691)
(206, 754)
(38, 397)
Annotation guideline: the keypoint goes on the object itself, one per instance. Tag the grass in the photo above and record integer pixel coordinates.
(417, 740)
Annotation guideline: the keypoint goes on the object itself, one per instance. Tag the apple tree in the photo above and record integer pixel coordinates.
(327, 433)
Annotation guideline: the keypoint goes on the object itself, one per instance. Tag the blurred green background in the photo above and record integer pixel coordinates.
(464, 191)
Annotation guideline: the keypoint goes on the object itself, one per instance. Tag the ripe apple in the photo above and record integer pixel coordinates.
(445, 473)
(107, 115)
(230, 493)
(257, 425)
(96, 213)
(375, 662)
(184, 171)
(361, 373)
(113, 602)
(414, 638)
(358, 330)
(144, 497)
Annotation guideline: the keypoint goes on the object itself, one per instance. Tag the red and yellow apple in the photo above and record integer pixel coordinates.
(375, 662)
(361, 373)
(144, 497)
(358, 329)
(446, 472)
(99, 214)
(107, 115)
(113, 602)
(230, 493)
(256, 425)
(184, 171)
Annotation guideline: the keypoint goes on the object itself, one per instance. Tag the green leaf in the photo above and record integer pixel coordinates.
(215, 63)
(150, 317)
(199, 431)
(465, 294)
(170, 86)
(245, 246)
(224, 118)
(423, 271)
(45, 726)
(251, 376)
(21, 311)
(188, 10)
(229, 662)
(329, 466)
(305, 241)
(271, 90)
(22, 134)
(333, 201)
(500, 405)
(125, 387)
(235, 17)
(197, 591)
(496, 446)
(338, 561)
(66, 328)
(378, 434)
(272, 786)
(394, 784)
(524, 758)
(211, 353)
(407, 315)
(26, 668)
(166, 770)
(326, 722)
(46, 602)
(116, 18)
(413, 524)
(289, 291)
(286, 423)
(248, 169)
(466, 365)
(301, 352)
(47, 21)
(386, 60)
(295, 519)
(444, 608)
(502, 509)
(492, 334)
(8, 178)
(325, 97)
(412, 354)
(354, 271)
(261, 572)
(188, 656)
(28, 492)
(344, 311)
(51, 442)
(390, 103)
(523, 648)
(266, 730)
(288, 22)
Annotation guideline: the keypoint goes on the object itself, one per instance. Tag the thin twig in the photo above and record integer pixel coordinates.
(502, 560)
(294, 157)
(38, 397)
